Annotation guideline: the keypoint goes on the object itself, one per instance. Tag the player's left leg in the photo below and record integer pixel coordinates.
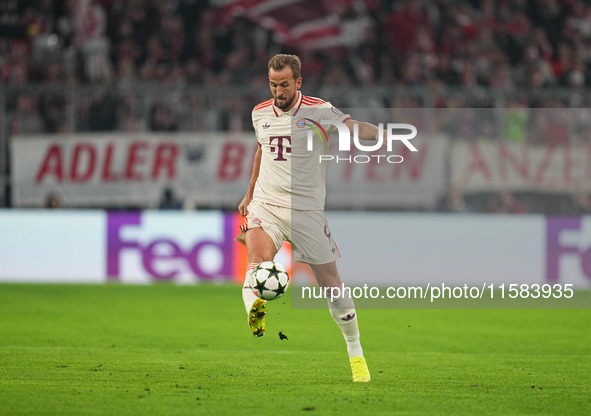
(262, 236)
(260, 247)
(342, 309)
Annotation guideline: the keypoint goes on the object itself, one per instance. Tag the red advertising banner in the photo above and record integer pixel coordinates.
(490, 166)
(119, 170)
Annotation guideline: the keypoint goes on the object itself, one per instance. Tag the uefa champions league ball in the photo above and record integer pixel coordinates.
(269, 280)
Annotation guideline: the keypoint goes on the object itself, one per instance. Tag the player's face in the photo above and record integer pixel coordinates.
(284, 87)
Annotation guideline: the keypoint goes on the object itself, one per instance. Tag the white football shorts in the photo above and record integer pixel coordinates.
(307, 231)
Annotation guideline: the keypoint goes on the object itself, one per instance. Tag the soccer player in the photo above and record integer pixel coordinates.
(275, 211)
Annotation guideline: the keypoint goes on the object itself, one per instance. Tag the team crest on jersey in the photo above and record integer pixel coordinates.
(337, 111)
(306, 122)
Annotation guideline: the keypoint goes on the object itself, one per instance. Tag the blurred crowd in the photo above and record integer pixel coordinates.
(182, 46)
(498, 44)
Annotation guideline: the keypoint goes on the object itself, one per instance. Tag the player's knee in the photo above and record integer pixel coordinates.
(330, 281)
(260, 247)
(260, 257)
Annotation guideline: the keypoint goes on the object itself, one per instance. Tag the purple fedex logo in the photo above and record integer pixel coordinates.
(167, 254)
(557, 231)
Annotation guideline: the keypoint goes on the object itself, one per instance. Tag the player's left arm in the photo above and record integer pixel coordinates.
(367, 131)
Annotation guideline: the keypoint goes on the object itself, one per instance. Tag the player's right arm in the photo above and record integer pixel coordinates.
(366, 131)
(243, 207)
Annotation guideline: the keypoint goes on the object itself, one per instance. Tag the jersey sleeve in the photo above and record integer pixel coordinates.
(334, 114)
(255, 123)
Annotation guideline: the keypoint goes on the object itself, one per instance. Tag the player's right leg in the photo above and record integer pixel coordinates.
(259, 247)
(342, 309)
(312, 243)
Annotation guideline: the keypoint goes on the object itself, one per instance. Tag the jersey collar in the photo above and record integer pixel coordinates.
(293, 110)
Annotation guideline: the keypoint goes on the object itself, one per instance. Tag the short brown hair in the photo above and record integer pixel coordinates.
(278, 62)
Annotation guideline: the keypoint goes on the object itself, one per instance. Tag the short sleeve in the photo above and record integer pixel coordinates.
(337, 115)
(332, 113)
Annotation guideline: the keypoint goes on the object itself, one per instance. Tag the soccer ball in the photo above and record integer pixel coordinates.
(269, 280)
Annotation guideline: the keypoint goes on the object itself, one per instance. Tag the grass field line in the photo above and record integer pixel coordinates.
(219, 351)
(486, 354)
(150, 350)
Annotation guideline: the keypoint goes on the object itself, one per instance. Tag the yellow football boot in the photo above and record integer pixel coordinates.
(256, 317)
(359, 370)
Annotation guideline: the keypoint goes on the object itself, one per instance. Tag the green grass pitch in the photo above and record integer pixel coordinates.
(187, 350)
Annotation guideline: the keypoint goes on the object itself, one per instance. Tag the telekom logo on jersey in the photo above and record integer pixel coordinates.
(280, 147)
(388, 134)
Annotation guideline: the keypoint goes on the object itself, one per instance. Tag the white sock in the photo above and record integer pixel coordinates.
(247, 295)
(343, 312)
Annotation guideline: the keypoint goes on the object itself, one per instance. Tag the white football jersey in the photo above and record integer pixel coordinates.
(291, 173)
